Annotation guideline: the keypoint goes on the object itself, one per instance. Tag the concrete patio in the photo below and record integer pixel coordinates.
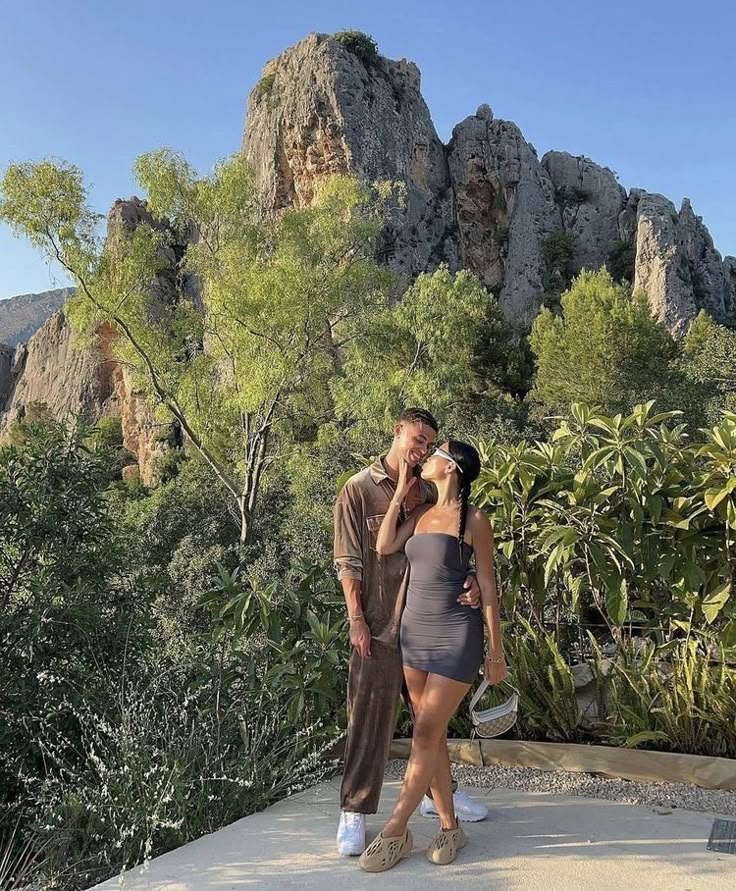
(535, 842)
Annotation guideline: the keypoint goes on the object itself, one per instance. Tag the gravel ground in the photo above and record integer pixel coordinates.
(662, 797)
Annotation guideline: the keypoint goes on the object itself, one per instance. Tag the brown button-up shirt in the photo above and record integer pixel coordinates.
(359, 512)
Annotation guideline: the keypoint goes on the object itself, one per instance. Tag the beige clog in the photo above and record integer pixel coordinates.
(385, 852)
(445, 845)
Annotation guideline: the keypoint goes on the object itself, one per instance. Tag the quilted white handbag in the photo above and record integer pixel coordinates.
(494, 721)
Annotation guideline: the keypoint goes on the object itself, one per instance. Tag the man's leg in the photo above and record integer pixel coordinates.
(374, 686)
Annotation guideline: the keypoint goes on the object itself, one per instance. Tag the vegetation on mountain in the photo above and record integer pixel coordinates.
(361, 45)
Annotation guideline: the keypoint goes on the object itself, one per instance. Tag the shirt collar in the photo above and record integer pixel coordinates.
(379, 473)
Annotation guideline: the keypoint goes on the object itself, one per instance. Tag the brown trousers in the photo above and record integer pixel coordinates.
(374, 691)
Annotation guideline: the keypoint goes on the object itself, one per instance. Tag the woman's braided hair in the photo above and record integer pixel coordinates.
(467, 460)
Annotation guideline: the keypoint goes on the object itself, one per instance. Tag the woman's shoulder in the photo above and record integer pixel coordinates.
(477, 517)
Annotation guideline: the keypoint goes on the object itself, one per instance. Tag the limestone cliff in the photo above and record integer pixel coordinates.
(505, 210)
(23, 315)
(485, 201)
(320, 109)
(7, 354)
(591, 201)
(69, 379)
(662, 271)
(49, 370)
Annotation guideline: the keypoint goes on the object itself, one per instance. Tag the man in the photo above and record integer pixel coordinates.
(374, 589)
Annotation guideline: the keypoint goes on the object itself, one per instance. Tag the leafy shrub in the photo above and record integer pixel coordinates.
(604, 348)
(557, 251)
(108, 433)
(707, 363)
(361, 45)
(622, 519)
(675, 698)
(167, 762)
(548, 709)
(303, 649)
(572, 196)
(264, 87)
(65, 598)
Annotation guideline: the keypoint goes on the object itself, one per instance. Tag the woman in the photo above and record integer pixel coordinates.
(441, 641)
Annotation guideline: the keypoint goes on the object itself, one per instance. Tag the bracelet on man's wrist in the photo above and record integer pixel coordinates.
(495, 659)
(356, 617)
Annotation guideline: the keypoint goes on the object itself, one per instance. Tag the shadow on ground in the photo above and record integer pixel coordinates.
(530, 841)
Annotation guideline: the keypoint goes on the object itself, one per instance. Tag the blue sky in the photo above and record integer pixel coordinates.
(646, 88)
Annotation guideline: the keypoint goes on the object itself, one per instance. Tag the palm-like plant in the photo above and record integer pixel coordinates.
(621, 515)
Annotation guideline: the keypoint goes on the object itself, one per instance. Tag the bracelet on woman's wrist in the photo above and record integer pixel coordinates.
(498, 660)
(356, 617)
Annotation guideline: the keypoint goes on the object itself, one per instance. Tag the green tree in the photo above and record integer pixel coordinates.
(242, 361)
(622, 516)
(605, 348)
(708, 366)
(67, 611)
(445, 345)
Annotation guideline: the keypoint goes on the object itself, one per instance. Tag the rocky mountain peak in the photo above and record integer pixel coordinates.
(485, 201)
(22, 316)
(322, 108)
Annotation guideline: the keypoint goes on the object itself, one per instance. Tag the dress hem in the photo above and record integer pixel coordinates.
(438, 673)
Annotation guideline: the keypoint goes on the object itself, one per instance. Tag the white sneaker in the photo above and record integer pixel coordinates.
(466, 809)
(351, 834)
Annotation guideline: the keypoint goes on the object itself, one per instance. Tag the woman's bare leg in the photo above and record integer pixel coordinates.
(442, 787)
(439, 701)
(415, 683)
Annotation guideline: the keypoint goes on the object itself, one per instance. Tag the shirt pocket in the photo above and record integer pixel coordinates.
(373, 524)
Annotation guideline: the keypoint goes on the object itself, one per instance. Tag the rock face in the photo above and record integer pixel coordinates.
(505, 210)
(68, 379)
(485, 202)
(6, 373)
(319, 109)
(22, 316)
(707, 273)
(49, 370)
(677, 265)
(729, 271)
(661, 265)
(590, 200)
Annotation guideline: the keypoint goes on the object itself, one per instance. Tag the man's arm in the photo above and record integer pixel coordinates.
(349, 565)
(360, 635)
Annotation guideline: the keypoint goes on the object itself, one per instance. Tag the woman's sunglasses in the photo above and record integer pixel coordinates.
(438, 450)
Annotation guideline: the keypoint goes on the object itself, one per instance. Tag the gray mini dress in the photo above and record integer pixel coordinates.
(438, 634)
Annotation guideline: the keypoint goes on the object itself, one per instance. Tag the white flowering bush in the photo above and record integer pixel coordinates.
(160, 766)
(124, 730)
